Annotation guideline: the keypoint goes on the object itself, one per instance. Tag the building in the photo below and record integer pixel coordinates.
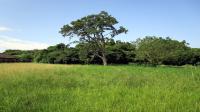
(4, 58)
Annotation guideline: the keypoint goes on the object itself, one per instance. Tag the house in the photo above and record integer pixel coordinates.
(7, 58)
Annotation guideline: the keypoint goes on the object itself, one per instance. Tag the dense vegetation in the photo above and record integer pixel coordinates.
(61, 88)
(96, 45)
(149, 50)
(166, 51)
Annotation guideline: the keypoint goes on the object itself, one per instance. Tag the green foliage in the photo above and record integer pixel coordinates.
(94, 30)
(194, 56)
(116, 52)
(158, 50)
(59, 54)
(120, 52)
(24, 56)
(149, 50)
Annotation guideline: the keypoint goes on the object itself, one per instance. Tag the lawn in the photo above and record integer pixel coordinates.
(91, 88)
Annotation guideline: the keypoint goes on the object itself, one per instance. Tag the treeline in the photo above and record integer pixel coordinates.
(150, 50)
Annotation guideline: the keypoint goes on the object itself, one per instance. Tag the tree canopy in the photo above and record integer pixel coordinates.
(96, 30)
(158, 50)
(150, 50)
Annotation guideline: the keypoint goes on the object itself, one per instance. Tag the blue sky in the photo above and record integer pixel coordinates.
(31, 24)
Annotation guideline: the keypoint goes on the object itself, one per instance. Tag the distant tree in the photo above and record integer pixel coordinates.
(58, 54)
(41, 56)
(22, 55)
(193, 56)
(71, 56)
(96, 30)
(120, 52)
(85, 55)
(158, 50)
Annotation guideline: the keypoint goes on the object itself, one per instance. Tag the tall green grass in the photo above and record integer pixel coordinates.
(77, 88)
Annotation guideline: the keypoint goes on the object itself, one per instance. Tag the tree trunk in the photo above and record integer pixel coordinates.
(104, 59)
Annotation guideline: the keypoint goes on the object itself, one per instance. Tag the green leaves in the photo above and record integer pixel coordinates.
(93, 26)
(94, 29)
(158, 50)
(66, 30)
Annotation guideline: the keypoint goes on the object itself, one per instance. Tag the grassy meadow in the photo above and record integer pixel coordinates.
(91, 88)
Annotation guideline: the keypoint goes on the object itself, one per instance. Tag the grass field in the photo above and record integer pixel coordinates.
(78, 88)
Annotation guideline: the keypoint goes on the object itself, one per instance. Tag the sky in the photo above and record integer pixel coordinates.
(34, 24)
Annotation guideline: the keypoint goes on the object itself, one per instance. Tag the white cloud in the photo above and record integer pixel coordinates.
(4, 29)
(14, 43)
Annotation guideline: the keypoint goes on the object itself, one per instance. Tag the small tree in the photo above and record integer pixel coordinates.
(96, 30)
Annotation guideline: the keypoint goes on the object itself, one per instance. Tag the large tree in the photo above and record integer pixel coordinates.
(96, 30)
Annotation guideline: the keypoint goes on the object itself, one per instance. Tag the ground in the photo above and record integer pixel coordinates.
(91, 88)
